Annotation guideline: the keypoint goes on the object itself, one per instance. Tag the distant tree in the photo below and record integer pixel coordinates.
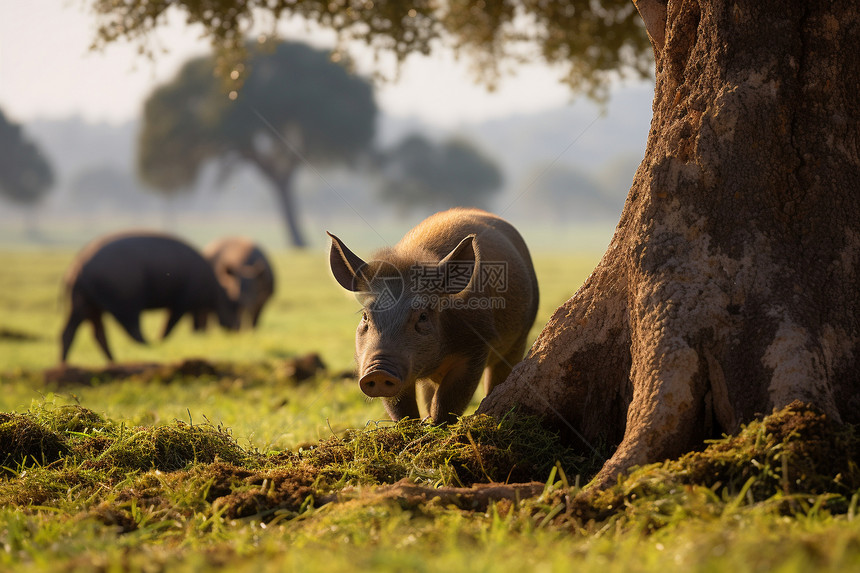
(419, 173)
(25, 174)
(295, 106)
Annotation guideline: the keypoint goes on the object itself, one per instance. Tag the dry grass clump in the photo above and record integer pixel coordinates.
(476, 449)
(791, 460)
(182, 470)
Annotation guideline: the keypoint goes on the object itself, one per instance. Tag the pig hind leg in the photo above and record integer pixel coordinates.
(76, 316)
(498, 370)
(83, 310)
(99, 334)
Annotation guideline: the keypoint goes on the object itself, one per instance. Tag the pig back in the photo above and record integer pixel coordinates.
(134, 271)
(504, 276)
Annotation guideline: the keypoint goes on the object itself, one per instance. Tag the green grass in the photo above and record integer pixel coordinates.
(240, 467)
(309, 313)
(85, 493)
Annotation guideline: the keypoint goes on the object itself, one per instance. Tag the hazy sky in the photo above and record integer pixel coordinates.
(46, 70)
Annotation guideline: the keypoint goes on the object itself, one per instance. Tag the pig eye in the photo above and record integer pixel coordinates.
(364, 316)
(423, 317)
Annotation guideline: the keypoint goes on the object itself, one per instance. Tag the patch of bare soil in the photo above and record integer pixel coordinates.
(74, 375)
(302, 368)
(17, 335)
(409, 495)
(297, 369)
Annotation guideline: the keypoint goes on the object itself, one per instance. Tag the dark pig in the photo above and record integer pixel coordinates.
(127, 273)
(244, 272)
(452, 301)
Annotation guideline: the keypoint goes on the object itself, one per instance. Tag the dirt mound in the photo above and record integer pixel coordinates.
(25, 440)
(264, 492)
(189, 368)
(171, 447)
(477, 449)
(74, 375)
(301, 368)
(293, 370)
(17, 335)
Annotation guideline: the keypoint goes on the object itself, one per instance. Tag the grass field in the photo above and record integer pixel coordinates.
(310, 313)
(242, 468)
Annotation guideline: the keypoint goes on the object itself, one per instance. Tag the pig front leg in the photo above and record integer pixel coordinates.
(403, 406)
(456, 389)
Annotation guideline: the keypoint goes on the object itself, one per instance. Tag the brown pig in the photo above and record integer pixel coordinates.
(452, 301)
(244, 272)
(126, 273)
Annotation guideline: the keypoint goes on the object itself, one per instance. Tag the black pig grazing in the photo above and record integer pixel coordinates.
(125, 274)
(244, 271)
(455, 297)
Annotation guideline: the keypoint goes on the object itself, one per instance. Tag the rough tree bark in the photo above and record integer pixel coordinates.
(730, 286)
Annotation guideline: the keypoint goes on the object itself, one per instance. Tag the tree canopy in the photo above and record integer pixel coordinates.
(25, 174)
(420, 173)
(590, 41)
(296, 106)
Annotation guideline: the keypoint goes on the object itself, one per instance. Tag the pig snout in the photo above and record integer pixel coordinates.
(380, 382)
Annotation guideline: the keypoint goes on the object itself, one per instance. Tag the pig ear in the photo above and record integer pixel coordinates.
(345, 265)
(462, 261)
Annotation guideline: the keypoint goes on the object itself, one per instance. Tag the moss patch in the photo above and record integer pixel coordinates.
(23, 440)
(180, 470)
(786, 459)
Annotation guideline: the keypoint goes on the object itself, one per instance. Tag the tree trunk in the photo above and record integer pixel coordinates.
(280, 169)
(286, 198)
(731, 284)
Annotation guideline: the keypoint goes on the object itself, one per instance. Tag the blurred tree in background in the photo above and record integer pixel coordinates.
(419, 173)
(25, 174)
(296, 107)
